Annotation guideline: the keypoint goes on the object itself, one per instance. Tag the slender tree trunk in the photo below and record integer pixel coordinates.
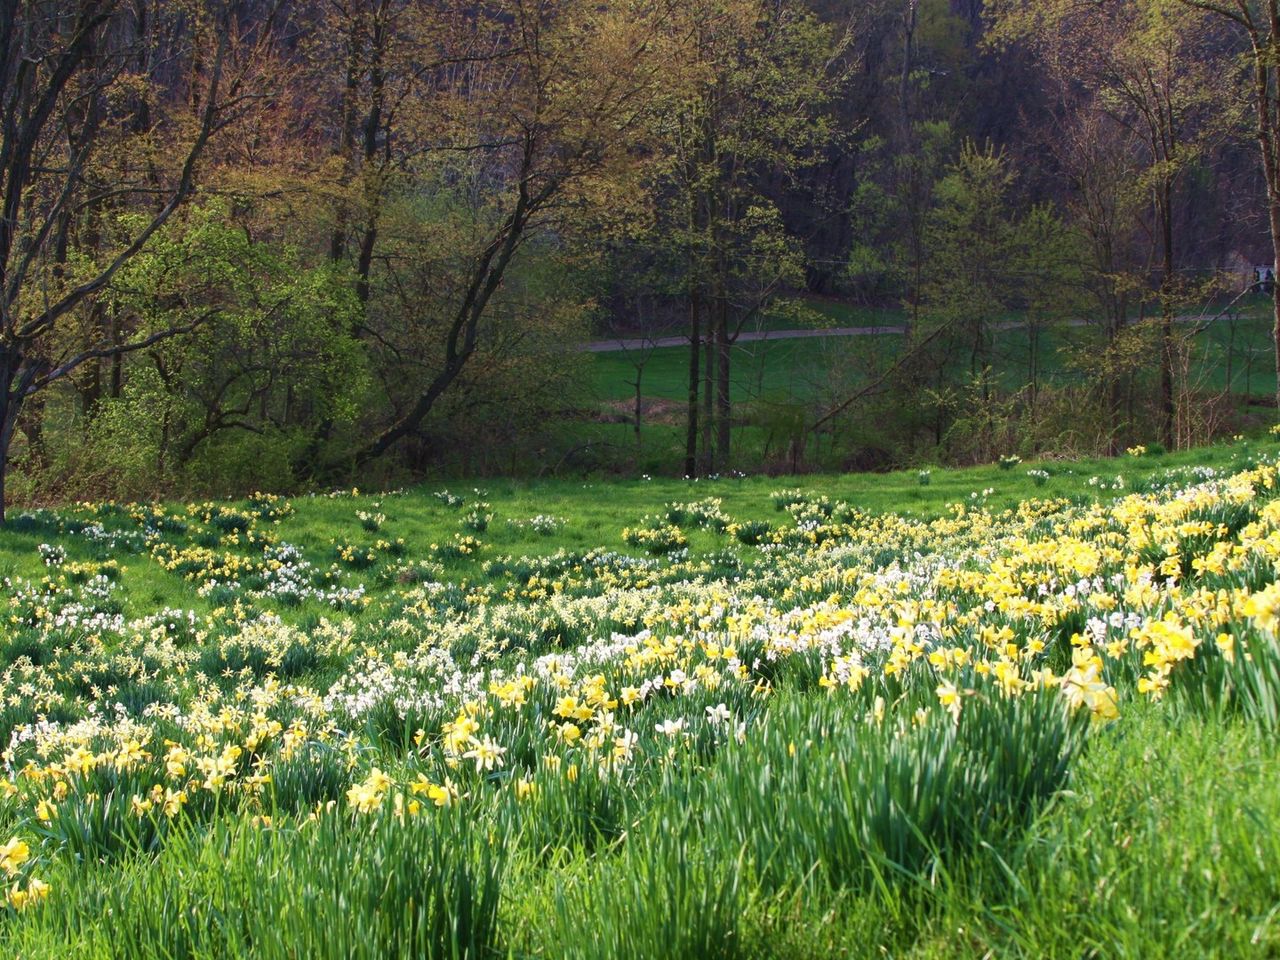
(1168, 410)
(10, 404)
(691, 411)
(1116, 386)
(1273, 212)
(346, 144)
(708, 397)
(1264, 41)
(724, 401)
(4, 476)
(694, 281)
(1275, 288)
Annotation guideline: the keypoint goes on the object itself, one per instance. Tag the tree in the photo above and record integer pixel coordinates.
(503, 146)
(744, 116)
(985, 261)
(64, 72)
(1259, 22)
(274, 354)
(1148, 66)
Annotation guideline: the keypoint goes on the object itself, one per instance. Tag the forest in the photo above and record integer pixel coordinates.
(265, 245)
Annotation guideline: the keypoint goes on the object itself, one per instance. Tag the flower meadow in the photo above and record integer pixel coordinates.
(1042, 730)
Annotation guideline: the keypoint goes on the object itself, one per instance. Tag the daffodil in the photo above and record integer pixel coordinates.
(13, 855)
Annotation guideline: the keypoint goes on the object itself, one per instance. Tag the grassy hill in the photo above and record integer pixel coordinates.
(1019, 711)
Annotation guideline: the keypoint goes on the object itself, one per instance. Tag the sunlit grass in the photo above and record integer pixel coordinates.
(974, 713)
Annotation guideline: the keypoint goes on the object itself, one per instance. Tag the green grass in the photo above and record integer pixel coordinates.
(771, 808)
(593, 511)
(776, 369)
(1230, 352)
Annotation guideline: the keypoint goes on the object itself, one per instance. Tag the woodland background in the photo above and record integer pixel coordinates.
(262, 245)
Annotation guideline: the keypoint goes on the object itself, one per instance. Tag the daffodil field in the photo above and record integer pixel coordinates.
(726, 719)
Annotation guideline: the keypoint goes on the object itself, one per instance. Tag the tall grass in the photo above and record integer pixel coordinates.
(826, 797)
(417, 888)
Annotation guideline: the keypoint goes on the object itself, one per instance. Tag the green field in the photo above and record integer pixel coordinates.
(1024, 712)
(1236, 350)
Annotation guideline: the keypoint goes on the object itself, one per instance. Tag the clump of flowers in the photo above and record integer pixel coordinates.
(1009, 462)
(785, 498)
(14, 855)
(1038, 477)
(707, 514)
(544, 525)
(371, 521)
(449, 499)
(457, 548)
(751, 532)
(477, 519)
(355, 556)
(655, 537)
(53, 555)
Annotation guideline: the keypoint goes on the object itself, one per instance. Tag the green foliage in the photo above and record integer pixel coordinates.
(232, 405)
(826, 802)
(326, 889)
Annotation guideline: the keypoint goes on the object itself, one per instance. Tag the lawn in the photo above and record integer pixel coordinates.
(1025, 711)
(1235, 351)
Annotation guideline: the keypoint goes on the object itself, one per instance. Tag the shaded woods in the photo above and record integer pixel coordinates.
(259, 245)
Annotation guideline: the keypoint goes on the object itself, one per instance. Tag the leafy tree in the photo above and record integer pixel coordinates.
(743, 117)
(985, 262)
(64, 82)
(1259, 23)
(276, 354)
(1150, 67)
(502, 122)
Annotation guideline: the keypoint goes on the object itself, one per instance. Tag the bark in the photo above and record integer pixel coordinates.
(464, 330)
(691, 410)
(1274, 211)
(1168, 411)
(724, 409)
(10, 405)
(708, 399)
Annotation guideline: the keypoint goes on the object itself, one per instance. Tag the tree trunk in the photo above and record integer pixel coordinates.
(1273, 190)
(724, 401)
(1264, 64)
(691, 411)
(1275, 298)
(708, 398)
(1168, 410)
(5, 436)
(1167, 407)
(10, 405)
